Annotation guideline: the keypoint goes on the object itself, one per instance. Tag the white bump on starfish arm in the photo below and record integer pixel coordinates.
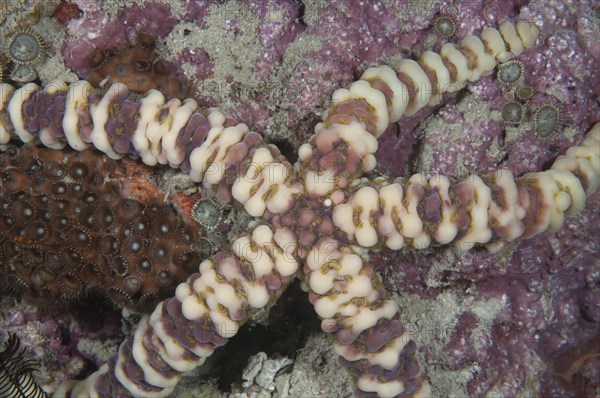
(589, 150)
(580, 165)
(409, 214)
(546, 190)
(510, 36)
(224, 294)
(149, 107)
(450, 53)
(477, 54)
(77, 100)
(495, 45)
(278, 196)
(193, 307)
(387, 358)
(64, 388)
(100, 113)
(159, 127)
(478, 230)
(253, 252)
(389, 222)
(15, 107)
(505, 213)
(131, 386)
(263, 185)
(6, 91)
(572, 196)
(432, 61)
(202, 157)
(286, 247)
(588, 153)
(367, 317)
(346, 268)
(357, 137)
(215, 117)
(369, 383)
(528, 33)
(325, 250)
(174, 352)
(46, 133)
(408, 69)
(86, 388)
(342, 217)
(446, 230)
(399, 99)
(217, 151)
(362, 90)
(366, 200)
(305, 152)
(319, 184)
(180, 119)
(140, 356)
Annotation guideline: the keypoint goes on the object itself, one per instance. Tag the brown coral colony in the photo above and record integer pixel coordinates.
(69, 231)
(136, 66)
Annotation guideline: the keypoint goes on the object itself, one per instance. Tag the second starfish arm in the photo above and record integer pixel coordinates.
(488, 210)
(207, 309)
(349, 297)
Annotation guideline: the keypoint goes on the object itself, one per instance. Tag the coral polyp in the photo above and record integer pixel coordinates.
(208, 213)
(547, 120)
(445, 26)
(511, 72)
(513, 113)
(524, 93)
(26, 47)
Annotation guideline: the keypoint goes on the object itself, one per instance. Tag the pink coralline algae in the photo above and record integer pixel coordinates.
(522, 321)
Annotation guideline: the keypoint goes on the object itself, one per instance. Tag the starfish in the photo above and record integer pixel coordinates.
(318, 218)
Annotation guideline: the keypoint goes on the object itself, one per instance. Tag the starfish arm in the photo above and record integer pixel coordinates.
(214, 150)
(352, 302)
(206, 311)
(489, 210)
(343, 146)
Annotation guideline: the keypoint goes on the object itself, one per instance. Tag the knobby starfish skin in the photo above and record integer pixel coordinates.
(319, 213)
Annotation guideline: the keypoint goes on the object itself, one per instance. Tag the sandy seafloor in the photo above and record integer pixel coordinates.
(457, 313)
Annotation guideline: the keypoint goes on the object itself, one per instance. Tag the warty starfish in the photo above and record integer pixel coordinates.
(318, 217)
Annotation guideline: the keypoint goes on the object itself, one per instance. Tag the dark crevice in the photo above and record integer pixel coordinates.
(290, 323)
(301, 11)
(287, 149)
